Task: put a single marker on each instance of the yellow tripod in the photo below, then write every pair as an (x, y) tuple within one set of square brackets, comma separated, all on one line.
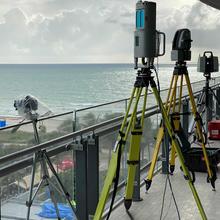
[(180, 72), (135, 125)]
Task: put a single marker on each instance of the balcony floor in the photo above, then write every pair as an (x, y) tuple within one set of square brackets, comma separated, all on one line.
[(150, 207)]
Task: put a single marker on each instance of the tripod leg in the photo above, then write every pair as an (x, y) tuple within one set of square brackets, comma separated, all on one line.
[(169, 103), (200, 108), (170, 90), (134, 154), (178, 150), (119, 147), (217, 101), (30, 200), (64, 191), (173, 152), (45, 178), (216, 97), (160, 133), (172, 159), (198, 121)]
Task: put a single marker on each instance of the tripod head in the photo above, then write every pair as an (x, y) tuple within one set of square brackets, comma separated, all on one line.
[(146, 38), (181, 46)]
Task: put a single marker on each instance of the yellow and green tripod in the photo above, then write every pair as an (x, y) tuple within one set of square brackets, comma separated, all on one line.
[(180, 72), (135, 126)]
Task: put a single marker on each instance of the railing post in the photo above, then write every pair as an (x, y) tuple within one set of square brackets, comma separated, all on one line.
[(217, 106), (92, 173), (185, 116), (80, 148), (165, 153), (126, 105), (75, 124)]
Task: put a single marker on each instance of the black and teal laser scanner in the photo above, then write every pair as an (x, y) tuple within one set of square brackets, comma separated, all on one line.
[(146, 37)]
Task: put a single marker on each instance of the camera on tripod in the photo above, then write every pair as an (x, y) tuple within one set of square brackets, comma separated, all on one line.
[(27, 107), (208, 63), (181, 45), (26, 104)]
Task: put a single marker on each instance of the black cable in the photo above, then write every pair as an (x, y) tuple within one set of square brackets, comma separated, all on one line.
[(163, 200), (173, 196), (168, 208), (158, 82), (116, 180), (174, 199), (172, 193), (168, 178)]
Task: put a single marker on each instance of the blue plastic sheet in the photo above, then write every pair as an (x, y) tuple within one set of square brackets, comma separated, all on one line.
[(49, 211)]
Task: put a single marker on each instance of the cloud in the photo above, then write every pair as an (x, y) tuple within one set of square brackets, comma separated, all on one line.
[(93, 31), (69, 36), (202, 20)]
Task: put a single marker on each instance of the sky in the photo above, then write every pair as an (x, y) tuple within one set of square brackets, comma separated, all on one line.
[(96, 31)]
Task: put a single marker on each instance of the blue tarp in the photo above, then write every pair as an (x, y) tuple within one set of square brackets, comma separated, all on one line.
[(49, 211)]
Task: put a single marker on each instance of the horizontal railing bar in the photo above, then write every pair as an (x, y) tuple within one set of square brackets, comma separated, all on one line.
[(58, 140), (67, 137), (40, 119), (21, 164), (117, 126), (54, 116), (72, 135)]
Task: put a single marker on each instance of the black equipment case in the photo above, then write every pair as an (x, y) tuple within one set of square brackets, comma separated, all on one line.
[(195, 159)]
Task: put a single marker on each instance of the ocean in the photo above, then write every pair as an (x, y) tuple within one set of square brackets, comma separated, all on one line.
[(67, 87)]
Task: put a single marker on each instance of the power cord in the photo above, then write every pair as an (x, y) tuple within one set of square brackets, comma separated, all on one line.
[(168, 177)]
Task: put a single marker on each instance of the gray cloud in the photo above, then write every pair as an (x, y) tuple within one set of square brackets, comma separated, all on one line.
[(202, 20), (68, 34), (92, 30)]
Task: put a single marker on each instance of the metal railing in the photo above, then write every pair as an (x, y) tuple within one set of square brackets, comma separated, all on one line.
[(93, 152)]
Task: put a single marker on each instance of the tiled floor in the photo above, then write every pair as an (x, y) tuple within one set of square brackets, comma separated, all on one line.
[(150, 207)]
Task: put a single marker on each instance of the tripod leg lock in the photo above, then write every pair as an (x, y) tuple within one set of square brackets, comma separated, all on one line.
[(28, 203), (122, 134), (133, 162), (136, 133), (121, 141), (67, 195), (186, 177)]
